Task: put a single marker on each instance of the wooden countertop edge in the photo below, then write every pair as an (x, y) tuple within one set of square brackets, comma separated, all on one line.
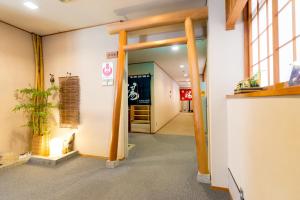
[(278, 90)]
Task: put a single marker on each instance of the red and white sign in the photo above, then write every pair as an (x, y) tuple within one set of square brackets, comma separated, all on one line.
[(185, 94), (107, 71)]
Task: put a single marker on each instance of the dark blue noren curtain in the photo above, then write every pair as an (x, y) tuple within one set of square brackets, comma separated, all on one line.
[(139, 89)]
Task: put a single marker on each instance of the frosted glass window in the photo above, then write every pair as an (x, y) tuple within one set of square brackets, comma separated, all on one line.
[(271, 70), (264, 73), (270, 40), (263, 42), (254, 28), (263, 18), (254, 70), (255, 52), (270, 11), (281, 3), (297, 6), (254, 6), (298, 50), (285, 61), (285, 25)]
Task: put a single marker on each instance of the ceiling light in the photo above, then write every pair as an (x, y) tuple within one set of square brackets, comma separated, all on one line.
[(30, 5), (181, 66), (175, 48), (185, 75)]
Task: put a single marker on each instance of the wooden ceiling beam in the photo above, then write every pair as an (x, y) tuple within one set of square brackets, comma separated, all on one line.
[(154, 44), (159, 20), (234, 9)]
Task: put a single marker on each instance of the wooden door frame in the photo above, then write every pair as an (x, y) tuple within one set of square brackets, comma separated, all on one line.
[(122, 28)]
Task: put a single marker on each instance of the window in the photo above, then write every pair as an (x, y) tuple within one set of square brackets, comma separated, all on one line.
[(274, 38)]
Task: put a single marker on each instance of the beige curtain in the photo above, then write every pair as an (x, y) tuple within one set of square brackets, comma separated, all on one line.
[(39, 62)]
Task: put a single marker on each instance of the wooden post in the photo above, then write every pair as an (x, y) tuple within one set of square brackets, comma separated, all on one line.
[(197, 101), (118, 97)]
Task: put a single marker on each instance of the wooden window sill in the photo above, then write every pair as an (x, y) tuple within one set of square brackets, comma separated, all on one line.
[(281, 89)]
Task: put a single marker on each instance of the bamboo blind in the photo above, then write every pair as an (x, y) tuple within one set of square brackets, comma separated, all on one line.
[(69, 101)]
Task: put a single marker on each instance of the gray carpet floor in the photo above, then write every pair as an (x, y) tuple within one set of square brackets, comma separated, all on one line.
[(159, 167)]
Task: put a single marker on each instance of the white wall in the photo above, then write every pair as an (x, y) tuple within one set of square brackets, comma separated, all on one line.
[(264, 146), (16, 71), (81, 53), (225, 69), (166, 98)]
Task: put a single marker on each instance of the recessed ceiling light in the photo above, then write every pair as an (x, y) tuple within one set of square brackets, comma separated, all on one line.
[(181, 66), (30, 5), (185, 75), (175, 48)]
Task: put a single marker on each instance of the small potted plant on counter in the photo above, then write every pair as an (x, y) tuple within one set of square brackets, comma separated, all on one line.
[(37, 108)]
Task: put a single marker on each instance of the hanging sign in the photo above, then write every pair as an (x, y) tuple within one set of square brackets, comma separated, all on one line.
[(107, 73), (139, 89), (186, 95)]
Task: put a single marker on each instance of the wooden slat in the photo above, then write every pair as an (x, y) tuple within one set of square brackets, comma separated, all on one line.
[(275, 42), (159, 20), (201, 148), (246, 43), (234, 10), (154, 44), (118, 97)]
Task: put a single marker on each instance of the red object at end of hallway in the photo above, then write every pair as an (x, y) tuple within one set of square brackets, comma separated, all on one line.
[(186, 94)]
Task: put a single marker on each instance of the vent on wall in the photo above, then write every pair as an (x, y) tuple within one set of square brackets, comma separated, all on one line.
[(69, 101)]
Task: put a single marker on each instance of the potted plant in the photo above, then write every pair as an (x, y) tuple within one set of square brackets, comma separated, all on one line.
[(35, 104)]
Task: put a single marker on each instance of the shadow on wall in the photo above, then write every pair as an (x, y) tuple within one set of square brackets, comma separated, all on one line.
[(20, 140)]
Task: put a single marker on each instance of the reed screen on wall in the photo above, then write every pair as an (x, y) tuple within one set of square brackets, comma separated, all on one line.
[(69, 101)]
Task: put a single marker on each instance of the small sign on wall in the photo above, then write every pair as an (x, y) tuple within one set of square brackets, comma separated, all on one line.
[(107, 71), (111, 54)]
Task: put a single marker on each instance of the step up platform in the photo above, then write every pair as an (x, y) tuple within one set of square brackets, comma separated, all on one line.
[(52, 161)]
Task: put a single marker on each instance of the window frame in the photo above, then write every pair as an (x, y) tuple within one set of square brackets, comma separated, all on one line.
[(248, 18)]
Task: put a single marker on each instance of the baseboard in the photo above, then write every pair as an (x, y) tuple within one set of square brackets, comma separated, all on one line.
[(222, 189), (93, 156), (97, 157), (219, 188)]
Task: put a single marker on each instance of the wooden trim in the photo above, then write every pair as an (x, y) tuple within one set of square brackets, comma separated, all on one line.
[(159, 20), (275, 42), (204, 72), (219, 188), (258, 41), (85, 27), (15, 26), (294, 30), (201, 148), (281, 91), (246, 43), (93, 156), (118, 97), (250, 36), (234, 9), (155, 44), (268, 40)]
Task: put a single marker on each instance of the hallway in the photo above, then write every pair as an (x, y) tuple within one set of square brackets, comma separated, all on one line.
[(182, 124), (158, 167)]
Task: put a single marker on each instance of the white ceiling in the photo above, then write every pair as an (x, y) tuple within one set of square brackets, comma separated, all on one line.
[(170, 60), (54, 16)]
